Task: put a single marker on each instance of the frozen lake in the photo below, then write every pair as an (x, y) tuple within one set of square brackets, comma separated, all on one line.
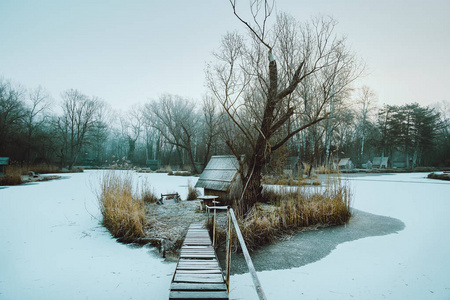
[(52, 246)]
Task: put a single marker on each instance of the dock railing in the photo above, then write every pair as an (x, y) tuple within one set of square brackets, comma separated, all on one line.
[(231, 220)]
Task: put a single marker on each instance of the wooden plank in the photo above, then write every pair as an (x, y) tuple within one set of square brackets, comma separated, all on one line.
[(207, 278), (199, 251), (181, 261), (205, 256), (208, 271), (197, 267), (211, 262), (183, 286), (174, 295)]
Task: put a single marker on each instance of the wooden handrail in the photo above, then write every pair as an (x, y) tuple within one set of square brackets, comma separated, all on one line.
[(232, 220)]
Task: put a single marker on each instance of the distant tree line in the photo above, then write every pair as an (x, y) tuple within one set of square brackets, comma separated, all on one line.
[(183, 133)]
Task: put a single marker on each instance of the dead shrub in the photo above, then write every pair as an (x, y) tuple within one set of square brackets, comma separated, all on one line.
[(192, 192), (444, 176), (147, 194), (12, 175)]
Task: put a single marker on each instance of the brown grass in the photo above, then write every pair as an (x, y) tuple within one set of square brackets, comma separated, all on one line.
[(326, 170), (147, 194), (11, 176), (444, 176), (123, 212), (192, 192), (291, 181), (14, 171), (291, 211)]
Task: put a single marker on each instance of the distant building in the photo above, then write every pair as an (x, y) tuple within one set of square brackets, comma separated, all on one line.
[(153, 164), (221, 177), (380, 162), (345, 164), (367, 165)]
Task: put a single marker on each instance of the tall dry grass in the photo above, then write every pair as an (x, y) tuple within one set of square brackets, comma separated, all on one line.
[(14, 171), (293, 210), (123, 212), (11, 176), (147, 194), (192, 192)]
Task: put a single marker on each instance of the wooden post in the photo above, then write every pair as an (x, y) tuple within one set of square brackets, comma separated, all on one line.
[(251, 268), (214, 226), (228, 257)]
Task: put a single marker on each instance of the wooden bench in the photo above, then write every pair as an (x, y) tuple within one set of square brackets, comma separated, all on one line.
[(174, 196)]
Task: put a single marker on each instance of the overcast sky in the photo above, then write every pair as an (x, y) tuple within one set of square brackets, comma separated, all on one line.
[(127, 52)]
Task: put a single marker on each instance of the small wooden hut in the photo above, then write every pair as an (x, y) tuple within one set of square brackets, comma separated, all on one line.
[(380, 162), (221, 177), (345, 164), (153, 164)]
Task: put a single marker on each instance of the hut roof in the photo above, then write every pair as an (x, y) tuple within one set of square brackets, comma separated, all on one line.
[(219, 173), (379, 162), (343, 162), (376, 161)]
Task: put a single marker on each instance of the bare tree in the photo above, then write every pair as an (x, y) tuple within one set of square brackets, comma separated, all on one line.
[(210, 126), (100, 131), (177, 121), (366, 101), (12, 113), (78, 119), (132, 125), (39, 103), (260, 98)]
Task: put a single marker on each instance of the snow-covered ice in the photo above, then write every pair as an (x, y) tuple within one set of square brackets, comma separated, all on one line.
[(52, 246), (413, 264)]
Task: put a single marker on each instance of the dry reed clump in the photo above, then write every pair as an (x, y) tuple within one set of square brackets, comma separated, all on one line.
[(326, 170), (444, 176), (123, 212), (290, 211), (192, 192), (147, 195), (12, 176), (289, 180)]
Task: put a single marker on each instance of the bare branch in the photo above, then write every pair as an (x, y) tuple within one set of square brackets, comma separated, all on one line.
[(260, 37)]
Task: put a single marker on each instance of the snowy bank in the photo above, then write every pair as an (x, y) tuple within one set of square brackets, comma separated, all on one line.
[(53, 247)]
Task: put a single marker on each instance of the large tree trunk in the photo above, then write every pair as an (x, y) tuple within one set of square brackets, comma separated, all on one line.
[(252, 189)]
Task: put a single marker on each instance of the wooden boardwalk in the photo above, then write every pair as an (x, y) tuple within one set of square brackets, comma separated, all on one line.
[(198, 274)]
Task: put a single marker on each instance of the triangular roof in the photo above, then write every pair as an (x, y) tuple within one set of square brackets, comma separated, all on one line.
[(376, 161), (344, 161), (220, 172)]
